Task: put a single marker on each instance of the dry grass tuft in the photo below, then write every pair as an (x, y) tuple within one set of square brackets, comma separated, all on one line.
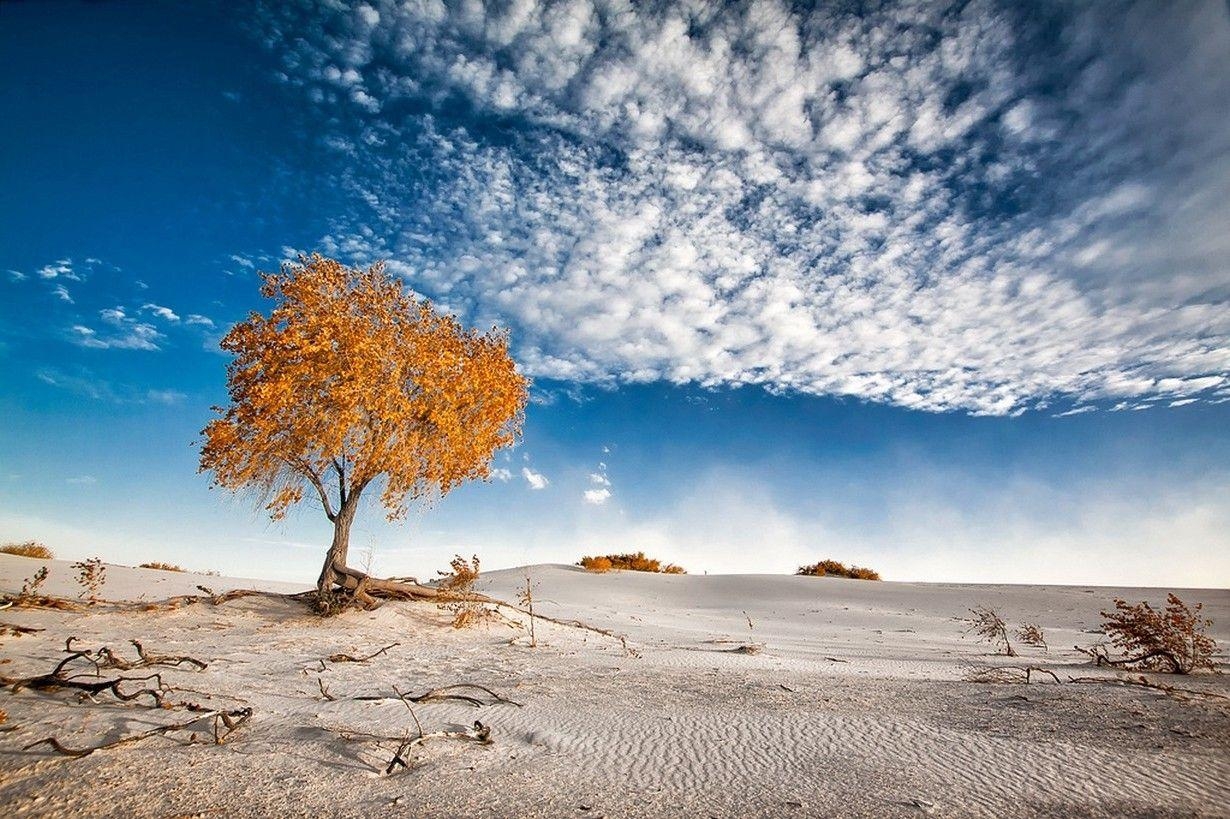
[(632, 561), (831, 568), (91, 575), (460, 581), (162, 567), (31, 548), (989, 627)]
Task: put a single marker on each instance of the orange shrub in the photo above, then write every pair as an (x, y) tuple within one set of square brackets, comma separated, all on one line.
[(831, 568), (632, 561), (162, 567), (31, 548), (597, 564)]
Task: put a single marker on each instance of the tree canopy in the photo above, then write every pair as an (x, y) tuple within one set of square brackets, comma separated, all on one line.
[(351, 379)]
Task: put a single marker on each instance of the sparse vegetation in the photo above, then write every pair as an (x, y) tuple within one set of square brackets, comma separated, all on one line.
[(1172, 640), (989, 627), (31, 548), (1030, 634), (831, 568), (633, 562), (91, 575), (525, 596), (460, 581), (162, 567), (31, 587)]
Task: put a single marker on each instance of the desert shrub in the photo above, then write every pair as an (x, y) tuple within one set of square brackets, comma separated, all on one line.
[(989, 627), (162, 567), (1030, 634), (31, 548), (632, 561), (597, 564), (31, 587), (831, 568), (460, 581), (1172, 640), (91, 575)]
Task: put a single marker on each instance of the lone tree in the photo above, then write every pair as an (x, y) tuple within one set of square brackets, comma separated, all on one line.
[(351, 383)]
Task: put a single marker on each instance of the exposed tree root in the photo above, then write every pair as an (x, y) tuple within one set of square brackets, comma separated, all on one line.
[(1101, 658), (224, 724), (105, 658)]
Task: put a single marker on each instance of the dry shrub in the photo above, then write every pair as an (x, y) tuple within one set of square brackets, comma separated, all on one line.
[(32, 586), (597, 564), (1031, 634), (460, 581), (632, 561), (831, 568), (91, 575), (1172, 640), (31, 548), (162, 567), (989, 627)]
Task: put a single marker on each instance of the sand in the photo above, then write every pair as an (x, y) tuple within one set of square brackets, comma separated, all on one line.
[(854, 704)]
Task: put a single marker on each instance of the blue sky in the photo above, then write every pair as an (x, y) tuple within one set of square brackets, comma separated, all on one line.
[(940, 290)]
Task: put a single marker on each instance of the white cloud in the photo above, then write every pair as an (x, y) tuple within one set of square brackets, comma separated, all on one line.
[(165, 313), (536, 480), (61, 293), (499, 473), (203, 321), (907, 206), (16, 275), (126, 334), (599, 478), (597, 496), (59, 269), (82, 480)]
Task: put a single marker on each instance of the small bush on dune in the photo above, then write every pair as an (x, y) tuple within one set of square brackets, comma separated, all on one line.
[(597, 564), (632, 561), (91, 575), (162, 567), (1172, 640), (831, 568), (31, 548), (460, 581)]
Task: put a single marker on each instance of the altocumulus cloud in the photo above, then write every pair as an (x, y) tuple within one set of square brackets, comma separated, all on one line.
[(979, 207)]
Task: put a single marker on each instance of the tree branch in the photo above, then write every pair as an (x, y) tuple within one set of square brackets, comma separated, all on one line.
[(311, 475)]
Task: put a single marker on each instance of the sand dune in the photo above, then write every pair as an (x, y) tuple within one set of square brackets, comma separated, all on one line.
[(855, 705)]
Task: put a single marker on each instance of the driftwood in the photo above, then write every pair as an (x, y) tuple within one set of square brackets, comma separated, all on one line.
[(224, 724), (105, 658), (477, 733), (1101, 657)]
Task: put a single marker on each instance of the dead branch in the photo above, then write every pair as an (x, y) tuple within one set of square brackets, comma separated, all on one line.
[(18, 631), (228, 720), (59, 679), (1101, 657), (346, 658), (447, 693), (1175, 691), (477, 733), (324, 692), (1006, 673), (108, 659)]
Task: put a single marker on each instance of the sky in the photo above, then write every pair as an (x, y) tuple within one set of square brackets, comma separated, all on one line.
[(940, 289)]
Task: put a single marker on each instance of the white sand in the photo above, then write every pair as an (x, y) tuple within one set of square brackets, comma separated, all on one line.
[(856, 706)]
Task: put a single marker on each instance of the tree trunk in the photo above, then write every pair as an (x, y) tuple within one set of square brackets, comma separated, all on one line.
[(339, 549)]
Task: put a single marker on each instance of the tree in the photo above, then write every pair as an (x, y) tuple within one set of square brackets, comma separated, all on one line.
[(351, 382)]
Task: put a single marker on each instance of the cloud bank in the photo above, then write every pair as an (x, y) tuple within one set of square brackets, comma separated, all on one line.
[(979, 207)]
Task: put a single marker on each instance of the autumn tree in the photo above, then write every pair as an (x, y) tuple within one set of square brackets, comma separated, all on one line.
[(353, 385)]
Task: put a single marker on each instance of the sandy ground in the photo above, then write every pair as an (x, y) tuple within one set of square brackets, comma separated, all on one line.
[(856, 705)]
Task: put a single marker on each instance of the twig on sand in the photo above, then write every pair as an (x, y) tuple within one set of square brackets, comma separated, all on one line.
[(346, 658), (224, 724), (17, 631), (1006, 673), (447, 693), (1184, 694)]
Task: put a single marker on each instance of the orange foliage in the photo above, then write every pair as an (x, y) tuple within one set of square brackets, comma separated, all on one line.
[(350, 378), (31, 548), (636, 562), (832, 568)]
